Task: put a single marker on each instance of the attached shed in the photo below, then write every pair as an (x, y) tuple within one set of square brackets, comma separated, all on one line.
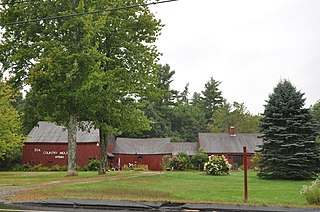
[(47, 144), (230, 145), (190, 148), (148, 151)]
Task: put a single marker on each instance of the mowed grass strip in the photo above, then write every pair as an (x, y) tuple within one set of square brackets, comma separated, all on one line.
[(194, 187)]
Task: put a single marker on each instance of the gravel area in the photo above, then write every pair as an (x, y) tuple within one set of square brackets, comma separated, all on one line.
[(7, 191)]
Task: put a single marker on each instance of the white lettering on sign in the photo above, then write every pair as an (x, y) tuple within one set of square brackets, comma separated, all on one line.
[(37, 150), (59, 156), (50, 152), (63, 153)]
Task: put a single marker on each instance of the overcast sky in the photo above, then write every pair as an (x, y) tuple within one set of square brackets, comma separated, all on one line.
[(248, 45)]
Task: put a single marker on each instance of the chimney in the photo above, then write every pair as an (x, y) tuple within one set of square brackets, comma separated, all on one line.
[(232, 134)]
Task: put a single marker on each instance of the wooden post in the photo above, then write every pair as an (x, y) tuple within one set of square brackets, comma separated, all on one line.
[(245, 166), (119, 165)]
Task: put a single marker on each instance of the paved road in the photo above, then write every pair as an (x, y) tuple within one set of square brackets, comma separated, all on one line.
[(105, 205)]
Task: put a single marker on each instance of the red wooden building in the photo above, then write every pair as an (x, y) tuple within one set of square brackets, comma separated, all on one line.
[(47, 144), (148, 151), (230, 145)]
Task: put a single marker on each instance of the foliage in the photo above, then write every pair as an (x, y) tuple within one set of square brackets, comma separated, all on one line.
[(187, 121), (180, 162), (199, 159), (289, 149), (235, 115), (217, 165), (312, 192), (212, 98), (315, 111), (93, 165), (177, 163), (166, 162), (92, 67), (186, 160), (256, 160), (11, 138), (40, 168), (21, 167), (158, 107), (57, 168)]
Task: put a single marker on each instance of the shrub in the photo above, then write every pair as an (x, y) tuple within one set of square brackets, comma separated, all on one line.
[(166, 165), (185, 159), (256, 160), (40, 168), (179, 162), (22, 167), (138, 169), (64, 168), (199, 159), (217, 165), (55, 168), (93, 165), (312, 192)]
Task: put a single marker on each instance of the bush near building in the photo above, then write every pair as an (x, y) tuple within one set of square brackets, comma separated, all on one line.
[(217, 165)]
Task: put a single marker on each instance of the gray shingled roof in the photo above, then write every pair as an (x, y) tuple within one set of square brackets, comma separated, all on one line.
[(224, 143), (142, 146), (51, 133), (190, 148)]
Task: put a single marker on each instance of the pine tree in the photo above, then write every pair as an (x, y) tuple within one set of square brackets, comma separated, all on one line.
[(212, 98), (289, 149)]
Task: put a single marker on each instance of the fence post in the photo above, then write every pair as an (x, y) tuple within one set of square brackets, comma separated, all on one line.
[(245, 166)]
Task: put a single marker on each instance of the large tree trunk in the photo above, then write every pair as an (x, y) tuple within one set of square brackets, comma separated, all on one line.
[(72, 146), (104, 151)]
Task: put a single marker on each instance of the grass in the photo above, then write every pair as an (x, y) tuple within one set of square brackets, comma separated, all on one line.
[(192, 187)]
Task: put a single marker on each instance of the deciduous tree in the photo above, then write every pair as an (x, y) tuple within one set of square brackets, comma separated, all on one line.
[(315, 111), (77, 66), (235, 115), (11, 139)]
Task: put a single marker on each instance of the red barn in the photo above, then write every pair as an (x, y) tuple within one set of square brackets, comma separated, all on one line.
[(47, 144), (230, 145), (148, 151)]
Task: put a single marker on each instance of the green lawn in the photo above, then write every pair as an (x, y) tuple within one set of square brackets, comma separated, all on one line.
[(167, 186)]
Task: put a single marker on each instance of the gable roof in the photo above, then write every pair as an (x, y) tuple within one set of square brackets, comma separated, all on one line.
[(142, 146), (47, 132), (190, 148), (224, 143)]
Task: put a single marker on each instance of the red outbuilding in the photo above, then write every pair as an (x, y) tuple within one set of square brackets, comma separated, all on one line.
[(230, 145), (47, 144), (148, 151)]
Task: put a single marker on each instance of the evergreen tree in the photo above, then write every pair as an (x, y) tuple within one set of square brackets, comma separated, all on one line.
[(158, 107), (289, 150), (212, 97)]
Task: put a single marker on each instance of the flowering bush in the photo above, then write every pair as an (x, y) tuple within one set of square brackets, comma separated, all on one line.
[(217, 165), (179, 162), (312, 192)]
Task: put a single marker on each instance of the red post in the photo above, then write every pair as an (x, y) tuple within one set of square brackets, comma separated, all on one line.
[(245, 166)]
